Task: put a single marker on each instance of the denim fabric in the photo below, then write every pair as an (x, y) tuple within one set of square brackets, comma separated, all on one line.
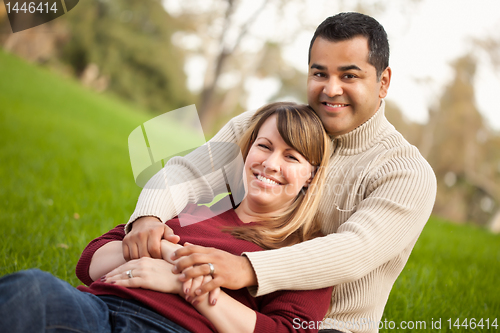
[(35, 301)]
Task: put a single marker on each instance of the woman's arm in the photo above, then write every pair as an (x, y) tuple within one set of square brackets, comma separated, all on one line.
[(228, 314), (147, 273), (87, 256), (105, 259), (105, 253), (282, 311)]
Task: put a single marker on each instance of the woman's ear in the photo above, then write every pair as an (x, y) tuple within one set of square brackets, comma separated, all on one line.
[(308, 182)]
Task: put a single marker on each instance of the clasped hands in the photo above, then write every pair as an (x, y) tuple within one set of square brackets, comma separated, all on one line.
[(150, 238)]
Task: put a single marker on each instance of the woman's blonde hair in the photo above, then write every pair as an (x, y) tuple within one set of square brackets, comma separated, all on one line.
[(302, 130)]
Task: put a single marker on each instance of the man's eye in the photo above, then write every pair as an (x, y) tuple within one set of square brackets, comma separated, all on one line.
[(349, 76), (319, 74)]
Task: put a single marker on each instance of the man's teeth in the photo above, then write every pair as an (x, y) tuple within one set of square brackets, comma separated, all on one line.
[(266, 180), (335, 105)]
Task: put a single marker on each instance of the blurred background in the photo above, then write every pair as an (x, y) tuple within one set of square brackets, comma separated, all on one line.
[(72, 90), (228, 56)]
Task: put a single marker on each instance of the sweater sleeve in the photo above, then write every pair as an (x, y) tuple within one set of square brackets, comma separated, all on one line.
[(190, 179), (399, 200), (82, 267), (293, 311)]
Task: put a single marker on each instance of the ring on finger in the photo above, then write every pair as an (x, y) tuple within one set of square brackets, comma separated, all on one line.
[(212, 269), (129, 274)]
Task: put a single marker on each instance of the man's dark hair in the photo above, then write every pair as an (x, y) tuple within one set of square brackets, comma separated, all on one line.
[(346, 26)]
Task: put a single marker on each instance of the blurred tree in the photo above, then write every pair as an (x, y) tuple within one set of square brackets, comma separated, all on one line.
[(411, 131), (463, 152), (215, 31), (128, 42), (123, 46)]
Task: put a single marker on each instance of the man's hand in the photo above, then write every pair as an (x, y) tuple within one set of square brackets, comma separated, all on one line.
[(144, 238), (231, 271)]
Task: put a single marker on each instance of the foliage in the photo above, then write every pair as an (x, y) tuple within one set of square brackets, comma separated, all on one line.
[(130, 42), (464, 150)]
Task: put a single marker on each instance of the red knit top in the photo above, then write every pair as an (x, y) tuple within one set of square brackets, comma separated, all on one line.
[(281, 311)]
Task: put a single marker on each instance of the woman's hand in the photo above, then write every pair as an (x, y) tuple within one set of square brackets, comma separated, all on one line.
[(193, 284), (147, 273)]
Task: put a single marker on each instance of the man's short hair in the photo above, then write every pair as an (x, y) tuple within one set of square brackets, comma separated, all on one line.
[(346, 26)]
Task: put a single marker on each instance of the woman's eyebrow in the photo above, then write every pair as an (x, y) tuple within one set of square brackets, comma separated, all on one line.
[(264, 138)]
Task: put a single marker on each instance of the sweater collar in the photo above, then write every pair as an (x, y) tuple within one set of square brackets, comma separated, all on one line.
[(364, 136)]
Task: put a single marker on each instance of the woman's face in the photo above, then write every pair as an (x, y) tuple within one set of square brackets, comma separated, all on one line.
[(275, 173)]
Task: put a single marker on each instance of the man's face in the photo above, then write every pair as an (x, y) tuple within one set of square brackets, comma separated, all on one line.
[(342, 87)]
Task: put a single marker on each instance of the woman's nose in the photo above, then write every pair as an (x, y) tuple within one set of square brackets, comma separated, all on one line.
[(272, 163)]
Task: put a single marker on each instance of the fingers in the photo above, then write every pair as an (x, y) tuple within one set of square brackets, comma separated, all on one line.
[(196, 283), (145, 237), (126, 251), (153, 245), (213, 296), (189, 249), (169, 235), (130, 249), (192, 255), (210, 286), (193, 270), (120, 277), (196, 299), (186, 286)]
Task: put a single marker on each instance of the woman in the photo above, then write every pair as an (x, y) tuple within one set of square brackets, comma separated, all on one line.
[(285, 150)]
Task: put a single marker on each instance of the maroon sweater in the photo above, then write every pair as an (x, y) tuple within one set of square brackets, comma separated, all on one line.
[(281, 311)]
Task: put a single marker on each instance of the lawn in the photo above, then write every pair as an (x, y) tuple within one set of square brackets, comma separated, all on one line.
[(66, 178), (453, 273)]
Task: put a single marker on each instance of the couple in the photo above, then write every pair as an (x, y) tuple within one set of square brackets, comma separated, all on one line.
[(377, 195)]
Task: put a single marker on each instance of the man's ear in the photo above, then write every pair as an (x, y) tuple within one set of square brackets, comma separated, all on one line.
[(385, 82)]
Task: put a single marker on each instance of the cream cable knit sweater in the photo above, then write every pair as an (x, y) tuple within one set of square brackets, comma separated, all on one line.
[(379, 194)]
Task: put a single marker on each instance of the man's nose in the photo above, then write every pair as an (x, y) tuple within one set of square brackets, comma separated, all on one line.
[(333, 87)]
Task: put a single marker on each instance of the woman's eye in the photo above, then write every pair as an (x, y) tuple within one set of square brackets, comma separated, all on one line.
[(293, 158), (263, 146)]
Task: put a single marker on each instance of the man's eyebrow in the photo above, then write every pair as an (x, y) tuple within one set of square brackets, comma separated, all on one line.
[(319, 67), (348, 68), (340, 68)]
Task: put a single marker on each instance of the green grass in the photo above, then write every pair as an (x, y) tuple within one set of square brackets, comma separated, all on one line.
[(65, 170), (453, 272), (63, 150)]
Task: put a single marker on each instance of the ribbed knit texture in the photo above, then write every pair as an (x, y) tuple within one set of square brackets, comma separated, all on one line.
[(378, 196)]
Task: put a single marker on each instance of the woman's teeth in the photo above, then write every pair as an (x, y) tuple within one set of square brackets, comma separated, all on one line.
[(266, 180)]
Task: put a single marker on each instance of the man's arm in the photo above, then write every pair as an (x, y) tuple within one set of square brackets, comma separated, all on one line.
[(183, 180), (386, 222)]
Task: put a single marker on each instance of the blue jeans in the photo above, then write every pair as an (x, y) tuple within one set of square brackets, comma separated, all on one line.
[(35, 301)]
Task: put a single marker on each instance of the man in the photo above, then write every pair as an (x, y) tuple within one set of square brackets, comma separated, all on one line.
[(379, 193)]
